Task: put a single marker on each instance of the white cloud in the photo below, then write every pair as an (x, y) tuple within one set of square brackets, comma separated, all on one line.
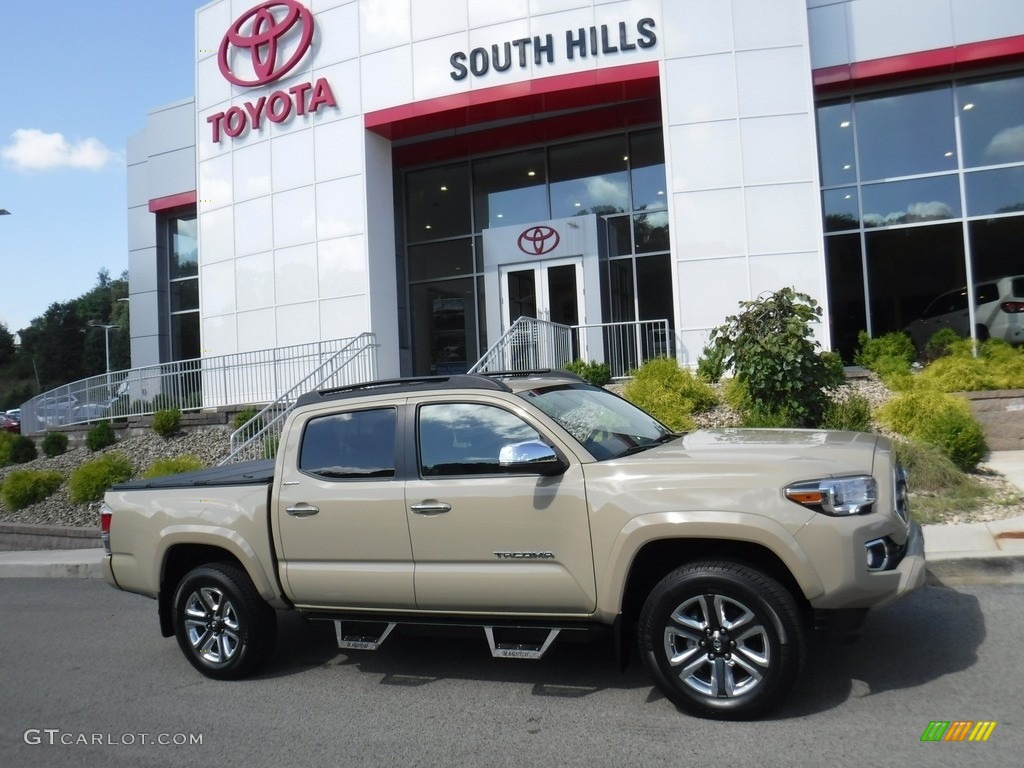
[(33, 150), (1006, 146)]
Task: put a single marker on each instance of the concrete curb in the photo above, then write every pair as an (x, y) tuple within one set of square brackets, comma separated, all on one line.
[(52, 564)]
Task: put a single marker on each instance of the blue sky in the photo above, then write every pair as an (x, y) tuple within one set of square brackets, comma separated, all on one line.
[(77, 79)]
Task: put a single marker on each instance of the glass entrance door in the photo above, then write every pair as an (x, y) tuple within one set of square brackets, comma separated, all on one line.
[(546, 290)]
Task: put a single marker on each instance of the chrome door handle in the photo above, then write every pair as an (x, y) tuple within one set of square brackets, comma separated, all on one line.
[(302, 510), (431, 508)]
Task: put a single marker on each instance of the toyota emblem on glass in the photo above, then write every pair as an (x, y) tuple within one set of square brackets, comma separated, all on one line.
[(536, 241)]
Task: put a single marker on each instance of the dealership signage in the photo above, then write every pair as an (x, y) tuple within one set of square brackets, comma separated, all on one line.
[(581, 42), (274, 36)]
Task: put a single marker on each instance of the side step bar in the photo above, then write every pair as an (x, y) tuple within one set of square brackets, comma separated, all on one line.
[(511, 642), (358, 642), (513, 650)]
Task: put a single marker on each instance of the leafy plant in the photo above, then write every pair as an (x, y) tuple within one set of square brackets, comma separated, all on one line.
[(939, 343), (90, 480), (23, 450), (55, 443), (870, 351), (939, 419), (851, 413), (593, 372), (99, 437), (243, 417), (670, 393), (768, 346), (711, 363), (173, 466), (167, 422), (24, 487), (6, 442)]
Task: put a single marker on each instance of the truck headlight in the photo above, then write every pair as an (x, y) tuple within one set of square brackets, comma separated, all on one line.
[(837, 496)]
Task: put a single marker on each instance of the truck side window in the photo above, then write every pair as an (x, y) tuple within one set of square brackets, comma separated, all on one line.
[(466, 438), (350, 446)]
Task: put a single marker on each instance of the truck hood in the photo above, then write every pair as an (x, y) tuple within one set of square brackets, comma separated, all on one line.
[(731, 469)]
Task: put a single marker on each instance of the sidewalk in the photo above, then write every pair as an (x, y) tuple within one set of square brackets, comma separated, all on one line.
[(968, 553)]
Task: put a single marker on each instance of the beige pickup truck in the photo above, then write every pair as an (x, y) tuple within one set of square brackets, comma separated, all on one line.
[(527, 507)]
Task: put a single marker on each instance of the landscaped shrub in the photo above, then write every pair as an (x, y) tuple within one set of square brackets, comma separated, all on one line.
[(769, 347), (167, 422), (173, 466), (593, 372), (23, 450), (24, 487), (6, 441), (939, 419), (711, 363), (670, 393), (243, 417), (55, 443), (891, 345), (852, 413), (996, 365), (939, 343), (90, 480), (100, 436)]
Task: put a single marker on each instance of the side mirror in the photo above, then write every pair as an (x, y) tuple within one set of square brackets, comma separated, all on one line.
[(531, 456)]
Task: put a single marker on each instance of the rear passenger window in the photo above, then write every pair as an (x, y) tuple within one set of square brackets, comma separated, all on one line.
[(466, 438), (350, 446)]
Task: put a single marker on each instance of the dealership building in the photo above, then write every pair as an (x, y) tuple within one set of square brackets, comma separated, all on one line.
[(429, 170)]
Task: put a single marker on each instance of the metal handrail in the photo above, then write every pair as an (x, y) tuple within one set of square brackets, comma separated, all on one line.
[(259, 436), (624, 346), (189, 385)]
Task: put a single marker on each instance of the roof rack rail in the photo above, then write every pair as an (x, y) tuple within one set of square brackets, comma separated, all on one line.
[(455, 381), (537, 372)]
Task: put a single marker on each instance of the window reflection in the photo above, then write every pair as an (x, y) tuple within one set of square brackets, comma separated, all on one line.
[(589, 177), (906, 134), (911, 202), (510, 189), (437, 202), (841, 209), (992, 121), (991, 192), (835, 144), (647, 170)]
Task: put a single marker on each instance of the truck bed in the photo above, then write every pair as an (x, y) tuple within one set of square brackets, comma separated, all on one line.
[(260, 472)]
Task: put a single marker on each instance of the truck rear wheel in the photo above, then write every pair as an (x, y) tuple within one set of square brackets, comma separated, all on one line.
[(722, 640), (222, 625)]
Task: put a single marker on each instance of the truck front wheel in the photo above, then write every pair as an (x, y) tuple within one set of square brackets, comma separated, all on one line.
[(722, 640), (222, 625)]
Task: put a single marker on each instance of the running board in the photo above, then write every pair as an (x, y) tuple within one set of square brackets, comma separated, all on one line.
[(512, 650), (359, 642)]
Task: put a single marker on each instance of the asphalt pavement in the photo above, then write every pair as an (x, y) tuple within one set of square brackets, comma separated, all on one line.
[(963, 553)]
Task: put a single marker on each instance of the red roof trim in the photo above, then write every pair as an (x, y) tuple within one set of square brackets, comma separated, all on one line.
[(160, 204), (949, 60), (513, 100)]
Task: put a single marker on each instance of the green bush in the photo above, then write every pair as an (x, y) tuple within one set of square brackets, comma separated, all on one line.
[(173, 466), (23, 450), (968, 367), (939, 343), (24, 487), (939, 419), (90, 480), (55, 443), (6, 442), (593, 372), (769, 347), (167, 422), (711, 363), (670, 393), (100, 436), (891, 345), (851, 413)]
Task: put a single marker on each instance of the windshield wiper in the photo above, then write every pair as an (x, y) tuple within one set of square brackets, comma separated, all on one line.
[(666, 438)]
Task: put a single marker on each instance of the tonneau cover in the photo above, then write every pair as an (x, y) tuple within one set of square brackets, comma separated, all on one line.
[(259, 472)]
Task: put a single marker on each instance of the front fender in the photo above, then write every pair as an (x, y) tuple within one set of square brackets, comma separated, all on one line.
[(690, 525)]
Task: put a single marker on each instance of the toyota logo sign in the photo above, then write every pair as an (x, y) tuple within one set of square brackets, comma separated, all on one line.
[(536, 241), (262, 34)]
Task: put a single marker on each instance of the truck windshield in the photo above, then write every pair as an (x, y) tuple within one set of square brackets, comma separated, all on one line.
[(606, 425)]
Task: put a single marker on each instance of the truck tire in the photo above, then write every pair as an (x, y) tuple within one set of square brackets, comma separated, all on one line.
[(722, 640), (222, 625)]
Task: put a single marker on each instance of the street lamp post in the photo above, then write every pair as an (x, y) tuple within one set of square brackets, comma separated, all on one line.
[(106, 336)]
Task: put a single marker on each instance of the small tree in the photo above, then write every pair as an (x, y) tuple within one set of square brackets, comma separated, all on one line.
[(770, 349)]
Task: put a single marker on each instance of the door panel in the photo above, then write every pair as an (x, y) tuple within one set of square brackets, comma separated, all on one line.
[(491, 542), (341, 519)]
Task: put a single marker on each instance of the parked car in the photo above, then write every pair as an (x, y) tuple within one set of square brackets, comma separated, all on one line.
[(10, 424), (998, 313)]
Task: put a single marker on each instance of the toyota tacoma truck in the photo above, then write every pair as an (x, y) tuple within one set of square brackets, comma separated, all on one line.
[(527, 507)]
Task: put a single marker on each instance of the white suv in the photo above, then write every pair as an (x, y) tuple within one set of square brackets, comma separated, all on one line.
[(998, 313)]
